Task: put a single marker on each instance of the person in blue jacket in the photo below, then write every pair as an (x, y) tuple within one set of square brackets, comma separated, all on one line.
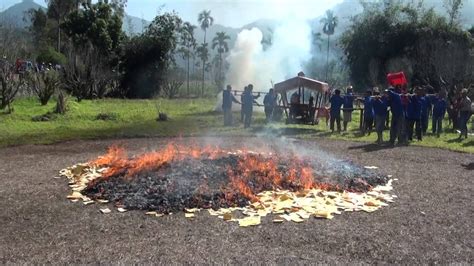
[(397, 123), (439, 110), (368, 113), (380, 107), (247, 105), (336, 102), (413, 115), (425, 112)]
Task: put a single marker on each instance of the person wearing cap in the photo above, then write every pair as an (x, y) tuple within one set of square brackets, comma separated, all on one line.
[(227, 99), (465, 112)]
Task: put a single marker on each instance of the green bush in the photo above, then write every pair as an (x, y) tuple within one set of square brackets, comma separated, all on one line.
[(51, 56)]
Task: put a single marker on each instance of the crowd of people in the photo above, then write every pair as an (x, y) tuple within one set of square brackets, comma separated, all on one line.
[(406, 113)]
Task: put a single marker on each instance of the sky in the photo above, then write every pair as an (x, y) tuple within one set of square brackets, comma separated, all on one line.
[(233, 13)]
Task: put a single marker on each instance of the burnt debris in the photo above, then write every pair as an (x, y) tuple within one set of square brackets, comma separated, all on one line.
[(225, 181)]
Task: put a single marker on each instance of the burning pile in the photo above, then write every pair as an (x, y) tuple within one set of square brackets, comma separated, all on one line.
[(179, 178)]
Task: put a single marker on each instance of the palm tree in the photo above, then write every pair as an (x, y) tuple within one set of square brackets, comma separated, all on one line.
[(203, 54), (189, 45), (205, 20), (220, 41), (330, 24)]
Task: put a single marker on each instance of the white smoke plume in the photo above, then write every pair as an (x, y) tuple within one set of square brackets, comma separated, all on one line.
[(250, 63)]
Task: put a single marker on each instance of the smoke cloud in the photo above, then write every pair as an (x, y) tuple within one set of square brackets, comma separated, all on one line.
[(250, 63)]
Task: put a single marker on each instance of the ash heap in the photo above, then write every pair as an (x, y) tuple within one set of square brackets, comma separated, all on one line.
[(228, 183)]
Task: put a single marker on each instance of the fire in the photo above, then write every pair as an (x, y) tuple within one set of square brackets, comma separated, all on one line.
[(253, 173)]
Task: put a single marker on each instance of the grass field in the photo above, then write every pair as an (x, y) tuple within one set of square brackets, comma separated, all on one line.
[(188, 117)]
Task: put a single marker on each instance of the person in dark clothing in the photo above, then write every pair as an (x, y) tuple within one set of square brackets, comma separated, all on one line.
[(439, 110), (242, 113), (397, 124), (413, 115), (227, 99), (248, 101), (336, 103), (465, 112), (269, 103), (368, 113), (348, 106), (294, 105), (312, 108), (380, 106)]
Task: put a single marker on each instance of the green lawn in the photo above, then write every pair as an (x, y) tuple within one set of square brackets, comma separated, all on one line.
[(137, 118)]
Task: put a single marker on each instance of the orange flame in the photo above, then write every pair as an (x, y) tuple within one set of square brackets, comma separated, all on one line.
[(253, 173)]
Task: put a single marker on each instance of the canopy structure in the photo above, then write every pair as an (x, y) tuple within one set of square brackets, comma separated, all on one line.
[(306, 97), (300, 83)]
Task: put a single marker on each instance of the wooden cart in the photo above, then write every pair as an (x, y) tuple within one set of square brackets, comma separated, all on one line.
[(301, 88)]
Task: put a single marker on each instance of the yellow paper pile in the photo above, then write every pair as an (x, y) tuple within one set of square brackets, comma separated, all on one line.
[(283, 205)]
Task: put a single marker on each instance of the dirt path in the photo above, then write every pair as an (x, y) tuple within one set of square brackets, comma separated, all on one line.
[(430, 222)]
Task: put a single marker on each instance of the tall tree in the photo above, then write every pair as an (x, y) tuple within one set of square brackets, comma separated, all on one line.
[(189, 44), (148, 57), (205, 21), (330, 23), (220, 42), (203, 54), (453, 8), (58, 10)]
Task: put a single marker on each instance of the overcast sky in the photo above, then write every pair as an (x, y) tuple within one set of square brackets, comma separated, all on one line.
[(233, 13)]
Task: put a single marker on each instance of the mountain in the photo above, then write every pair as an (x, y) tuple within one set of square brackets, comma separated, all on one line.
[(16, 15), (134, 25)]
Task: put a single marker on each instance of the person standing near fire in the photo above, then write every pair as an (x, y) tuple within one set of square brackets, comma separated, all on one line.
[(336, 103), (242, 108), (348, 107), (269, 102), (465, 112), (414, 115), (248, 100), (227, 100), (397, 123), (380, 106), (439, 111), (368, 113)]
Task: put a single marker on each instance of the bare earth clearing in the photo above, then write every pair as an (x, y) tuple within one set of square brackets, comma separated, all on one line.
[(431, 221)]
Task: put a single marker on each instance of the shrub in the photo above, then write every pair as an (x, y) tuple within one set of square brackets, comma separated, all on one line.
[(51, 56), (44, 84)]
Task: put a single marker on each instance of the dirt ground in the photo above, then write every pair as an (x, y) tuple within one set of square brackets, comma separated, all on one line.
[(430, 222)]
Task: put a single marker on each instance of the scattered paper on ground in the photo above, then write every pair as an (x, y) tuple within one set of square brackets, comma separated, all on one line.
[(105, 211), (283, 206)]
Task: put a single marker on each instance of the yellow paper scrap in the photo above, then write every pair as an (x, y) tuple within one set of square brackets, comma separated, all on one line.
[(249, 221)]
